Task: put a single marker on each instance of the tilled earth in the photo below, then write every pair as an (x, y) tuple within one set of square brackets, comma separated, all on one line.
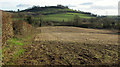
[(70, 46), (59, 53), (75, 34)]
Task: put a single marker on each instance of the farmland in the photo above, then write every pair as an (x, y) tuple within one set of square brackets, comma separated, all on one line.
[(51, 13), (78, 35), (62, 45), (57, 35), (64, 16)]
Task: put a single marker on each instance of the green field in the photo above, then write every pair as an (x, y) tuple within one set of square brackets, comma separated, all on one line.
[(64, 16), (53, 14), (59, 17)]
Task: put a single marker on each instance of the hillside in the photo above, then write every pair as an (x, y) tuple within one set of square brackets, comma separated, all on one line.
[(55, 13)]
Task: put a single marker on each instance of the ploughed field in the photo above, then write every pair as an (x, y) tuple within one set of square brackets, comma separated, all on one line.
[(62, 45), (74, 34)]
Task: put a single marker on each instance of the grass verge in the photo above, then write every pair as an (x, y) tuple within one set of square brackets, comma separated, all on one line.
[(14, 48)]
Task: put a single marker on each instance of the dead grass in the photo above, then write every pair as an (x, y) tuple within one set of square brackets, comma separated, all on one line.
[(74, 34)]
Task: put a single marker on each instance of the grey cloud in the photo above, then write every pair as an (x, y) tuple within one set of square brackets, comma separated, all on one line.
[(23, 5), (102, 7), (87, 3)]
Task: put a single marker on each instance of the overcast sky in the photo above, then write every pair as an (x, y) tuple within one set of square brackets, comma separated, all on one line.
[(100, 7)]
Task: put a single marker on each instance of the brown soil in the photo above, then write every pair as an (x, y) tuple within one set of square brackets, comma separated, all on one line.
[(74, 34), (70, 46)]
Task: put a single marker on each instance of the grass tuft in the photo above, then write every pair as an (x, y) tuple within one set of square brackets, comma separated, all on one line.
[(15, 41)]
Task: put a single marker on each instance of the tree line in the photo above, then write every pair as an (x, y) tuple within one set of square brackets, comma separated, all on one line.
[(99, 22)]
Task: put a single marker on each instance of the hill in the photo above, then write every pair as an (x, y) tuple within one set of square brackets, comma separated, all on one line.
[(55, 13)]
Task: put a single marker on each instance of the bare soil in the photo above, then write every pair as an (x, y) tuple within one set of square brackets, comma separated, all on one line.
[(75, 34), (70, 46)]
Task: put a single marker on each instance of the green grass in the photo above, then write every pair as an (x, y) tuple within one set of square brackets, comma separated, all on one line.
[(15, 19), (15, 41), (15, 47), (61, 14), (18, 53), (64, 16), (18, 41)]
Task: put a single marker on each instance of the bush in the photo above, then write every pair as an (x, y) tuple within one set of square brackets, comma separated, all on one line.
[(29, 19), (7, 29)]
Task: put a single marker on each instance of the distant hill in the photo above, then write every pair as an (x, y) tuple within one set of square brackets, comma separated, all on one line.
[(63, 16), (54, 10), (55, 13), (37, 8)]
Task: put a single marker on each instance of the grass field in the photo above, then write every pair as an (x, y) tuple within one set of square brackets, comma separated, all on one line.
[(54, 14), (59, 17), (64, 16)]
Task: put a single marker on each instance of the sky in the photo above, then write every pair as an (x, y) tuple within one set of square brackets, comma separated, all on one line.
[(99, 7)]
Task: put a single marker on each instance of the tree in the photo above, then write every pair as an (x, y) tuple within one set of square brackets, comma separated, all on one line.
[(29, 19), (84, 20), (77, 20), (18, 10), (92, 20)]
